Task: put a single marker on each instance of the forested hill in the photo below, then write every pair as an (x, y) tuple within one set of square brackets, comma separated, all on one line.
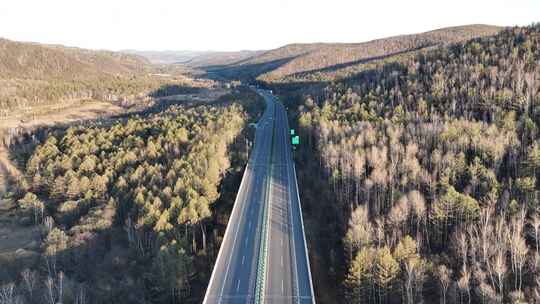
[(426, 172), (40, 61), (327, 61), (34, 74)]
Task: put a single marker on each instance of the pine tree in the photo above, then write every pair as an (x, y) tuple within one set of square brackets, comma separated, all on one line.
[(386, 271)]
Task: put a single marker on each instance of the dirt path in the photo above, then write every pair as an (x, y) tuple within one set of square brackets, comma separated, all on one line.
[(7, 171), (3, 187)]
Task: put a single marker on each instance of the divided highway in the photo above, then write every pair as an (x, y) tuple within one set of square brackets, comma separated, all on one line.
[(263, 257)]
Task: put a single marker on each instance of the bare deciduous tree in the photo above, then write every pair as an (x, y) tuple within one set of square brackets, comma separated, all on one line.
[(30, 279), (464, 283), (444, 275)]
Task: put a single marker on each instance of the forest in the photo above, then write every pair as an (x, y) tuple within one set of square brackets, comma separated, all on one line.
[(425, 173), (132, 210), (418, 168)]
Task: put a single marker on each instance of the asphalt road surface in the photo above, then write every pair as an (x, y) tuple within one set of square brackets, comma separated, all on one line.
[(288, 275), (269, 178)]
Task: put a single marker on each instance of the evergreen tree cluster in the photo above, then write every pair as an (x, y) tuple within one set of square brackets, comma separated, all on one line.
[(147, 183)]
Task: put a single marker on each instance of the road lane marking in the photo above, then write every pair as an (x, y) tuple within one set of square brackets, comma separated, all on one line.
[(246, 177), (238, 286), (281, 260), (243, 259), (282, 287)]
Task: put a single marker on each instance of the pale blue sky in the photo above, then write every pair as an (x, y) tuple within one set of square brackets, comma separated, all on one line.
[(242, 24)]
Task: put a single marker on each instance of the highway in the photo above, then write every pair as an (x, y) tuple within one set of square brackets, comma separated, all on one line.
[(288, 275), (263, 257)]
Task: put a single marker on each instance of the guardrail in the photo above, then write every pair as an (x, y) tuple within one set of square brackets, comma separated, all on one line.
[(296, 189), (262, 260)]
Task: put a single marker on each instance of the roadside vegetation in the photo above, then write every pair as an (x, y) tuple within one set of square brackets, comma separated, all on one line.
[(425, 173)]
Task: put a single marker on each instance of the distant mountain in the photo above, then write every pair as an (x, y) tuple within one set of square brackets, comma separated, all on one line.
[(194, 58), (42, 61), (32, 74), (166, 57), (327, 61), (211, 59)]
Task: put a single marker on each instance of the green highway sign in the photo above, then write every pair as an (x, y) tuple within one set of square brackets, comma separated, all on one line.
[(292, 131), (296, 140)]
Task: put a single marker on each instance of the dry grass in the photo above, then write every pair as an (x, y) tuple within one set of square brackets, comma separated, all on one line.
[(205, 95), (58, 113), (17, 242)]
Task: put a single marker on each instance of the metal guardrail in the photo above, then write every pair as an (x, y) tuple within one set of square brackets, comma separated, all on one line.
[(262, 261)]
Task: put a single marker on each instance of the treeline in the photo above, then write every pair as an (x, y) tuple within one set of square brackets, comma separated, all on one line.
[(174, 89), (17, 94), (428, 174), (127, 208)]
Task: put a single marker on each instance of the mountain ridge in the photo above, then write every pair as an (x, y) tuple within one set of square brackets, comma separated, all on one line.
[(45, 61), (297, 58)]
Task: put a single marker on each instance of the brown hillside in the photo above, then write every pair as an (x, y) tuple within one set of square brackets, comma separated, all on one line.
[(326, 61), (37, 61)]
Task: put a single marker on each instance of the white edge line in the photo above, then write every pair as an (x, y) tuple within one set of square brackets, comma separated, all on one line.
[(303, 235), (225, 237)]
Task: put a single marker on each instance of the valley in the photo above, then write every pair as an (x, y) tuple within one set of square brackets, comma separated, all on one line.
[(155, 176)]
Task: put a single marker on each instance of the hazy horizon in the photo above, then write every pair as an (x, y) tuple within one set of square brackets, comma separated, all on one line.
[(206, 25)]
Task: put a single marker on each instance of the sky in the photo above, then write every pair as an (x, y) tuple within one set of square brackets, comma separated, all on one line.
[(229, 25)]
